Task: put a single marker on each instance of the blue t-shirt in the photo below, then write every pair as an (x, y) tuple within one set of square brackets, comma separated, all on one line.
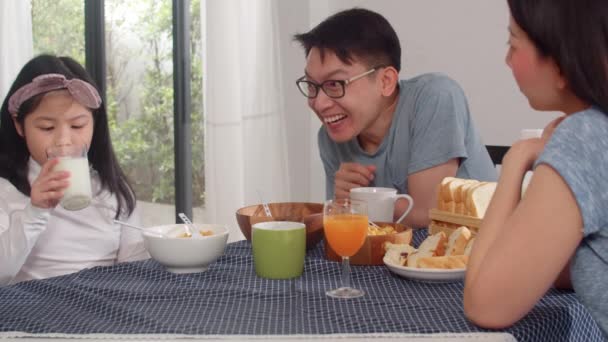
[(430, 126), (578, 151)]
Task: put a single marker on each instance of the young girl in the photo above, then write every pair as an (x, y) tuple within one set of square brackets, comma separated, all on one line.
[(558, 232), (54, 102)]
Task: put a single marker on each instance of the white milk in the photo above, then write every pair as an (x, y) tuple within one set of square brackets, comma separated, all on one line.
[(78, 194)]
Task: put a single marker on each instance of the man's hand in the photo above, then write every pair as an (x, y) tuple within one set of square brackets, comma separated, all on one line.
[(352, 175), (47, 189)]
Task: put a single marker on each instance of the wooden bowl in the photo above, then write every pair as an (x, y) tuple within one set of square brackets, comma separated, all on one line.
[(311, 214), (373, 251)]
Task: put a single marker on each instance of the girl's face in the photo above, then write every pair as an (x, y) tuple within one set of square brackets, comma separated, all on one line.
[(58, 120), (538, 77)]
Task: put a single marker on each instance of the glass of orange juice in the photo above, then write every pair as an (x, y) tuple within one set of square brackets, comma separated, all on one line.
[(345, 225)]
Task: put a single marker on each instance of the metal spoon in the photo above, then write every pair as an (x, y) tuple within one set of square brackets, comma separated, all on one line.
[(264, 204), (140, 228), (372, 223), (186, 220)]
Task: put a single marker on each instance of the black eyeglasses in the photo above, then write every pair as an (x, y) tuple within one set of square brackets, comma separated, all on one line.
[(333, 88)]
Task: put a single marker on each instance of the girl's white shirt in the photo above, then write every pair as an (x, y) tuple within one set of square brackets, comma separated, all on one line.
[(38, 243)]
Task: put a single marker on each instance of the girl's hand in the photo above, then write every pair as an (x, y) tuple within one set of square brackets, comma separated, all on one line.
[(47, 189)]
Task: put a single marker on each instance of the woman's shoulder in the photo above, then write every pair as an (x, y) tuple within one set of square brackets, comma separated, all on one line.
[(590, 120), (580, 136)]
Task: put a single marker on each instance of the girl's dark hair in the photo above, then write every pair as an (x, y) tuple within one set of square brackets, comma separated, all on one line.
[(355, 32), (14, 154), (575, 34)]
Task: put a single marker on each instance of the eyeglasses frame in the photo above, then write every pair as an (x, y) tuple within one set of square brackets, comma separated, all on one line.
[(344, 83)]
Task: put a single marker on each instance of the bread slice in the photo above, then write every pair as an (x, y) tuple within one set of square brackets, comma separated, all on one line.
[(461, 195), (444, 196), (398, 253), (469, 247), (433, 245), (479, 199), (444, 262), (467, 198), (458, 241), (438, 191)]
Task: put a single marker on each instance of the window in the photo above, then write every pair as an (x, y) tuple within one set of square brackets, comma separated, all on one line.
[(139, 90), (63, 37)]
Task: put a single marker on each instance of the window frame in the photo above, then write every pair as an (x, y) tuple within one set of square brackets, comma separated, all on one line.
[(95, 55)]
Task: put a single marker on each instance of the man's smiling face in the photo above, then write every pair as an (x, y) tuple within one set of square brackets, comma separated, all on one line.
[(347, 116)]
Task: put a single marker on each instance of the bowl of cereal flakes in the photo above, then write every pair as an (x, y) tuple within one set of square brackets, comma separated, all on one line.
[(181, 252), (372, 251)]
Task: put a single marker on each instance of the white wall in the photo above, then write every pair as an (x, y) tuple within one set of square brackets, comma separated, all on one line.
[(465, 39)]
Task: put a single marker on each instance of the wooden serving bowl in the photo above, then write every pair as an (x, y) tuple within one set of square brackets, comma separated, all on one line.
[(311, 214), (373, 251)]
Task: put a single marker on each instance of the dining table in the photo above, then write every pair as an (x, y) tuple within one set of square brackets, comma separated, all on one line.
[(142, 300)]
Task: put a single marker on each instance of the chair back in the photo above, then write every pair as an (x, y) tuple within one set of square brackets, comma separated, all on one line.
[(497, 153)]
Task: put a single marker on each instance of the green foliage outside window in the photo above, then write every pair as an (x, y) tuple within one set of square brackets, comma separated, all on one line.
[(142, 133)]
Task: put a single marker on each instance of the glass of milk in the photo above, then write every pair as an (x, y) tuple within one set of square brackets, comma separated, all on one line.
[(73, 158)]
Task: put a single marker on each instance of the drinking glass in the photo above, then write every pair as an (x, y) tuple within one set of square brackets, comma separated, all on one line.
[(345, 225), (73, 158)]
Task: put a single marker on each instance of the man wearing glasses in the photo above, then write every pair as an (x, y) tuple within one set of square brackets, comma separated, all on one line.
[(378, 130)]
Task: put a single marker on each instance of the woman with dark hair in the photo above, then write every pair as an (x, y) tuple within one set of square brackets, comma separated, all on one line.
[(557, 233), (54, 102)]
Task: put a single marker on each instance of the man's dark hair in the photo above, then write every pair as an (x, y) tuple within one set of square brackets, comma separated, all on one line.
[(355, 33)]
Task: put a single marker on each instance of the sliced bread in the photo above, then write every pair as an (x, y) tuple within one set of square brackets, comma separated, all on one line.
[(433, 245), (444, 262), (458, 241), (398, 253), (479, 199)]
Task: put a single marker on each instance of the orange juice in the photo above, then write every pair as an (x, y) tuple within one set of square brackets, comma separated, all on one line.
[(345, 232)]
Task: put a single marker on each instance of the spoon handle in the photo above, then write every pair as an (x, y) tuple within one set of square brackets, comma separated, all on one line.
[(189, 230), (264, 204), (138, 228), (184, 218), (267, 210)]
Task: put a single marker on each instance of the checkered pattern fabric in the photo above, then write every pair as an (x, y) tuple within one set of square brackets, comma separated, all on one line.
[(229, 299)]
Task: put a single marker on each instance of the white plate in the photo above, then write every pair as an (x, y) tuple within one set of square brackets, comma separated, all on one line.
[(426, 274)]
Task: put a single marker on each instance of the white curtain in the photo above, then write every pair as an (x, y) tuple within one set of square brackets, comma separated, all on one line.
[(16, 45), (245, 147)]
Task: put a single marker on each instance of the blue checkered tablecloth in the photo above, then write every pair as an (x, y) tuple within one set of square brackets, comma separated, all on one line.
[(229, 299)]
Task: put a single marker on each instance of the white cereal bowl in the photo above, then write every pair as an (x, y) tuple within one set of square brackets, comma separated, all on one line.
[(185, 255)]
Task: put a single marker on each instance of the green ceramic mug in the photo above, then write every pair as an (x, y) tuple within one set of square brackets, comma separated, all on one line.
[(279, 248)]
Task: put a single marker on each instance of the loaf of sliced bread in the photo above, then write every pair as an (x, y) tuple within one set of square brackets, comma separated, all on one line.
[(467, 197)]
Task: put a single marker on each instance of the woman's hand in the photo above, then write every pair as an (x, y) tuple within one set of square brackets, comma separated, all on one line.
[(352, 175), (524, 153), (47, 189)]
